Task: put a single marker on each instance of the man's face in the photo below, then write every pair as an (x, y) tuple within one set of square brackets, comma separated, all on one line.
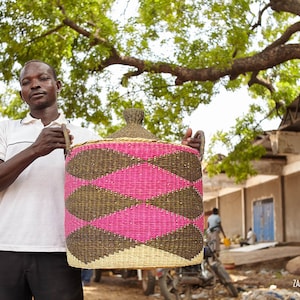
[(38, 86)]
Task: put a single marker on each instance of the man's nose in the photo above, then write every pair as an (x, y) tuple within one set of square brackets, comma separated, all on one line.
[(35, 83)]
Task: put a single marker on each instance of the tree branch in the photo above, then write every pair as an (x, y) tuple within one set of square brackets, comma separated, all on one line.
[(258, 23), (95, 39), (260, 61), (273, 55), (285, 36), (255, 80), (49, 32), (291, 6), (282, 40)]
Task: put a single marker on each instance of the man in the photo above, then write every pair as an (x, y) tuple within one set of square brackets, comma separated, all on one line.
[(250, 240), (32, 168), (214, 229), (32, 244)]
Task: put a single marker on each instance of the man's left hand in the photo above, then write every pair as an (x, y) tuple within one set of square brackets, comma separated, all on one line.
[(195, 141)]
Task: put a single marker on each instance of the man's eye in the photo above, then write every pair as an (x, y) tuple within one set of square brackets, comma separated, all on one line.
[(44, 78), (25, 82)]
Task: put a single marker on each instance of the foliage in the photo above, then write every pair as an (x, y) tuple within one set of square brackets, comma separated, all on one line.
[(241, 151), (165, 57)]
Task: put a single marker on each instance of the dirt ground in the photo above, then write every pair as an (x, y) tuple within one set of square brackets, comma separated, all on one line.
[(246, 278), (115, 288)]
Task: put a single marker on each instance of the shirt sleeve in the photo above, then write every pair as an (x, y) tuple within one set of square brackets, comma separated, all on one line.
[(82, 135), (3, 139)]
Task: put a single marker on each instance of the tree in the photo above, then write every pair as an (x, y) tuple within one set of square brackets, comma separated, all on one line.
[(169, 58)]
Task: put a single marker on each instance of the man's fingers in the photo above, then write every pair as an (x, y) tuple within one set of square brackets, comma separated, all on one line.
[(188, 134), (199, 134)]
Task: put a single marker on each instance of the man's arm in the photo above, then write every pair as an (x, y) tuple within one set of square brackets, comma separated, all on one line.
[(12, 168), (221, 228), (48, 140)]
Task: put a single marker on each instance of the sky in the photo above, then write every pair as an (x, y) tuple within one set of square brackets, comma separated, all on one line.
[(221, 113)]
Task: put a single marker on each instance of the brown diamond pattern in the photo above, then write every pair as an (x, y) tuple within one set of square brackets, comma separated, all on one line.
[(177, 203), (91, 202), (183, 164), (94, 163), (187, 248), (89, 244)]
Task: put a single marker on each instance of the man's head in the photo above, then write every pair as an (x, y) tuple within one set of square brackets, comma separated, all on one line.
[(39, 85), (215, 211), (38, 61)]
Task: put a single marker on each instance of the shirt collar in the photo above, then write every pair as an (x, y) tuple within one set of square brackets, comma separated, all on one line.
[(59, 121)]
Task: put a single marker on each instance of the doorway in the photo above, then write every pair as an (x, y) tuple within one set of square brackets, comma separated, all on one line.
[(263, 219)]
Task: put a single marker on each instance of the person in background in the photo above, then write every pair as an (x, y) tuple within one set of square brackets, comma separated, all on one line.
[(250, 240), (214, 228), (32, 172), (86, 276)]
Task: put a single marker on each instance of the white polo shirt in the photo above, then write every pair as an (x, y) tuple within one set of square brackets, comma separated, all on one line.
[(32, 208)]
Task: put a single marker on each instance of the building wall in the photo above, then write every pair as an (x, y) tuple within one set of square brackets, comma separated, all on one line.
[(230, 210), (291, 207), (236, 207), (209, 205), (230, 206), (266, 190)]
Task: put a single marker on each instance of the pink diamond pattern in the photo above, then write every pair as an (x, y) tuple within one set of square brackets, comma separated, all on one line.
[(72, 183), (156, 149), (143, 188), (72, 223), (142, 222), (146, 181), (198, 185), (199, 222)]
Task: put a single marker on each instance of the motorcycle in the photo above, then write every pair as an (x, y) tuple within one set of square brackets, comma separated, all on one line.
[(183, 283), (147, 277)]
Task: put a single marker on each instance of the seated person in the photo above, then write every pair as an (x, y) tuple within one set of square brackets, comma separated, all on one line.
[(251, 238)]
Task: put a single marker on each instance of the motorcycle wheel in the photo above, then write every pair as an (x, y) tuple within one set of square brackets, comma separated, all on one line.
[(225, 279), (148, 282), (170, 288)]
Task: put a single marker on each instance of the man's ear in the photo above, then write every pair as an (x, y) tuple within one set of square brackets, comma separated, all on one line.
[(20, 93), (58, 86)]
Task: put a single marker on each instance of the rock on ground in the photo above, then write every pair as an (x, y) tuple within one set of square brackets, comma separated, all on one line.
[(293, 266)]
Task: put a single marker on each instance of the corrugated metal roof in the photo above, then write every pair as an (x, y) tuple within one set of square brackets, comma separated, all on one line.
[(291, 119)]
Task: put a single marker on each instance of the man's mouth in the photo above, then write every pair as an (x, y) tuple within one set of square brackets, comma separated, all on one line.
[(37, 95)]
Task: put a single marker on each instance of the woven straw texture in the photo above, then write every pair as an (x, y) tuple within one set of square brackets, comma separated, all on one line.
[(133, 203)]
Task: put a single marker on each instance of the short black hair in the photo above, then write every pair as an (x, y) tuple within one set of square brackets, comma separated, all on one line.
[(40, 61), (215, 211)]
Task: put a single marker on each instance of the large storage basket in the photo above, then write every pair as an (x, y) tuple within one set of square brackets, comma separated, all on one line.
[(133, 202)]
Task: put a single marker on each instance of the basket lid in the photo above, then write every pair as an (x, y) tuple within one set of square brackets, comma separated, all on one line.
[(133, 129)]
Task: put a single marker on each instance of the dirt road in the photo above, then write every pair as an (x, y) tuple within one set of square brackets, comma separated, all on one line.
[(245, 279), (253, 271), (113, 288)]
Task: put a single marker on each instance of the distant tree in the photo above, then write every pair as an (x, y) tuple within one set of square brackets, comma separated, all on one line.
[(169, 56)]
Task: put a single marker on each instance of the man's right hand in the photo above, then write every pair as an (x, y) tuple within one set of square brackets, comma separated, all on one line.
[(50, 138)]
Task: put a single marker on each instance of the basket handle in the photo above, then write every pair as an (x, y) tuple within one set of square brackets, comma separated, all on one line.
[(67, 139)]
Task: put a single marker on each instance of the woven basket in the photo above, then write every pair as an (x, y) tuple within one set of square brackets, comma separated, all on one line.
[(133, 202)]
